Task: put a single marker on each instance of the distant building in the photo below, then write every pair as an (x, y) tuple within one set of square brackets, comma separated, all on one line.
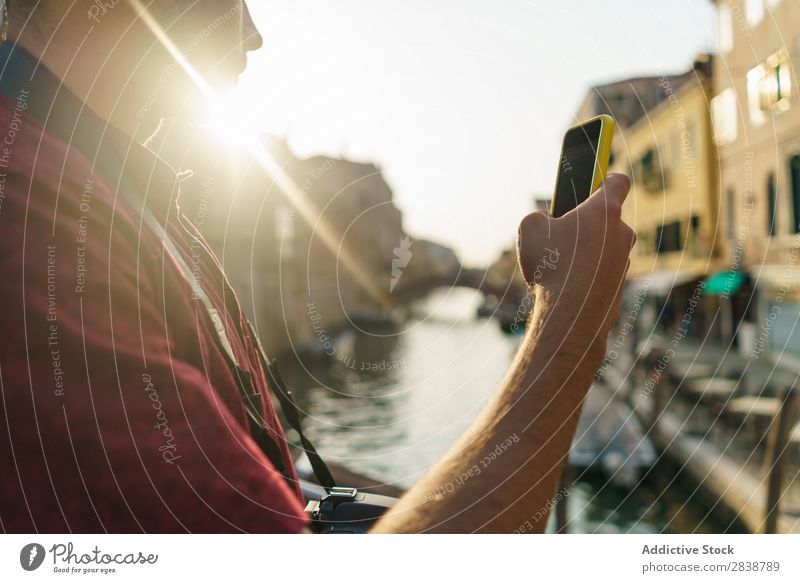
[(432, 261), (296, 289), (541, 202), (357, 205), (756, 114), (628, 100)]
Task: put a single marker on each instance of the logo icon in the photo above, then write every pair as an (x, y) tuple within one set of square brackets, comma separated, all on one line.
[(31, 556), (402, 255)]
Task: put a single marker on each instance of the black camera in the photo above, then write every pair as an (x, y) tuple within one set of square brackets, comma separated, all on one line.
[(343, 510)]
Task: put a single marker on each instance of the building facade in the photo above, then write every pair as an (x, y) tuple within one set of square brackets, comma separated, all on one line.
[(756, 115), (628, 100), (672, 205), (664, 144)]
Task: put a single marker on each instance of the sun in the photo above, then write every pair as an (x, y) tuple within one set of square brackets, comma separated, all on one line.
[(228, 117)]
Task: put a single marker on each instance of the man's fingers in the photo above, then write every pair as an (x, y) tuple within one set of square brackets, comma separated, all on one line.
[(615, 188)]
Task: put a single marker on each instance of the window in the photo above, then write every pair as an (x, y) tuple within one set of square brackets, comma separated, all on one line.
[(769, 86), (724, 28), (731, 215), (668, 237), (794, 177), (754, 10), (654, 176), (772, 196), (723, 115), (695, 237), (779, 79), (755, 81)]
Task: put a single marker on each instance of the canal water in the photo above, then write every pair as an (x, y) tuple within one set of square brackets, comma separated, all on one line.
[(389, 404)]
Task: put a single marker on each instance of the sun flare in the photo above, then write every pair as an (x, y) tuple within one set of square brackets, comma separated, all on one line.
[(227, 117)]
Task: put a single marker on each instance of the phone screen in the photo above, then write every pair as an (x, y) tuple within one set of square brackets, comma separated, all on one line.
[(576, 167)]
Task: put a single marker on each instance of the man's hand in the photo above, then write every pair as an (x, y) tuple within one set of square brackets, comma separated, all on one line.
[(576, 264)]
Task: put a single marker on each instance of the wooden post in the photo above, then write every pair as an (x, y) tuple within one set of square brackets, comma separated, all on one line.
[(658, 396), (777, 454)]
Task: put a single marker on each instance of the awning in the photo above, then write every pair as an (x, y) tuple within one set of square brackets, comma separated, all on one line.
[(724, 283)]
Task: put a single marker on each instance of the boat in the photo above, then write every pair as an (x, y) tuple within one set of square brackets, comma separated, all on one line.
[(610, 439)]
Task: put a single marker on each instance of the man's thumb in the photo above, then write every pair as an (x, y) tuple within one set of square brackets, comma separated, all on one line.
[(532, 236), (615, 188)]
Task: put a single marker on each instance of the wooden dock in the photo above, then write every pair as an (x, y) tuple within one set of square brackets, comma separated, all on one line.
[(753, 486)]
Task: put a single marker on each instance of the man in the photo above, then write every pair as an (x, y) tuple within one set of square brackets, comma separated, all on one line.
[(125, 355)]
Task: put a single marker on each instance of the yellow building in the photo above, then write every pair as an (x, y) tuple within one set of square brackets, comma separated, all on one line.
[(673, 201), (756, 113), (664, 143)]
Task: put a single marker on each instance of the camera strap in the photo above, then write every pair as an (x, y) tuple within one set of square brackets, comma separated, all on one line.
[(259, 429), (78, 127)]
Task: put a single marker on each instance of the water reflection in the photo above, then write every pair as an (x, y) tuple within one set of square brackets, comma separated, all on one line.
[(390, 405), (665, 501)]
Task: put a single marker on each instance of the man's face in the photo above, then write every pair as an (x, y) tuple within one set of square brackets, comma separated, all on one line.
[(214, 35)]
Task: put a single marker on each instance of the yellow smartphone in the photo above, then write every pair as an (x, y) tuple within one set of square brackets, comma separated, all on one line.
[(584, 160)]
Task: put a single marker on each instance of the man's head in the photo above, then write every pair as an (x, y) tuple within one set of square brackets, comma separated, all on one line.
[(110, 50)]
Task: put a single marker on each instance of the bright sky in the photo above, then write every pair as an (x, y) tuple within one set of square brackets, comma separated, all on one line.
[(462, 102)]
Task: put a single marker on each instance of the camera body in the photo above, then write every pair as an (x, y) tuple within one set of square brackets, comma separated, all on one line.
[(344, 510)]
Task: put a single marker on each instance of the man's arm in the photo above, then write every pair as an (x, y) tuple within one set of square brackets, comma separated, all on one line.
[(502, 473)]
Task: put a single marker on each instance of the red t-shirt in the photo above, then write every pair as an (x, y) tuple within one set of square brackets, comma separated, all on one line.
[(119, 412)]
